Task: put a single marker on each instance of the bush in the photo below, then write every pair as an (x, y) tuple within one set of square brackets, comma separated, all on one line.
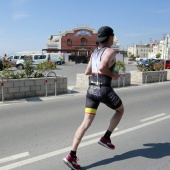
[(120, 66), (152, 67), (46, 66), (29, 70)]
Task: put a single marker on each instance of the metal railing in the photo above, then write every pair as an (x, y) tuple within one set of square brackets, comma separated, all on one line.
[(161, 75), (46, 83), (2, 88), (123, 73)]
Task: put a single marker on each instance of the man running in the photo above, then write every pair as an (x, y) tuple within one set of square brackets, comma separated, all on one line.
[(101, 68)]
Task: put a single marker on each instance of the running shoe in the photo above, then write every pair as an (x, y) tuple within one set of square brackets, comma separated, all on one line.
[(106, 143), (71, 162)]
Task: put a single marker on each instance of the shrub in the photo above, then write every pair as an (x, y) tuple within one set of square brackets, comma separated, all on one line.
[(120, 66), (152, 67), (46, 66), (29, 69)]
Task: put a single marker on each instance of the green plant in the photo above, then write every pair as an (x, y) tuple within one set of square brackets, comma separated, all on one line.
[(158, 66), (6, 73), (120, 66), (37, 75), (29, 69), (137, 55), (158, 55), (22, 75), (45, 66), (14, 76), (152, 66)]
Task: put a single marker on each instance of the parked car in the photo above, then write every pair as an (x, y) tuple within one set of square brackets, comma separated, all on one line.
[(36, 58), (167, 64), (145, 62)]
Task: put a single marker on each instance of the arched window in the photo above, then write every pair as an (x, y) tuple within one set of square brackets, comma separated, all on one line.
[(69, 42), (83, 41)]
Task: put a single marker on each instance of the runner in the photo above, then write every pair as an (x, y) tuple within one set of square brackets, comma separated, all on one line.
[(101, 68)]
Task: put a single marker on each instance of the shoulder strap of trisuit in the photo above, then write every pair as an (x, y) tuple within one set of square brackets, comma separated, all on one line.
[(101, 52)]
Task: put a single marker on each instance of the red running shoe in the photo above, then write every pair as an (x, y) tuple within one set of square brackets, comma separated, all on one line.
[(106, 143), (71, 162)]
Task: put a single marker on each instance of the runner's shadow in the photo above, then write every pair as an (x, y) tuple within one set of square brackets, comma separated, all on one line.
[(155, 151)]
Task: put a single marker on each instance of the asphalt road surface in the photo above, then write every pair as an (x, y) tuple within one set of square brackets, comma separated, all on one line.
[(37, 133)]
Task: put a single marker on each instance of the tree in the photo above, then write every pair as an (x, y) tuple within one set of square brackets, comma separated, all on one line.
[(158, 55), (137, 55)]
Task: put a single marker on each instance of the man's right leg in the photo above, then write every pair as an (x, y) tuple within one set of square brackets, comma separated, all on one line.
[(88, 119), (71, 160), (90, 112)]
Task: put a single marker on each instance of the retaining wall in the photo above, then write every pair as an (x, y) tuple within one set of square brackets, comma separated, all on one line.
[(32, 87), (82, 81), (148, 77), (168, 74)]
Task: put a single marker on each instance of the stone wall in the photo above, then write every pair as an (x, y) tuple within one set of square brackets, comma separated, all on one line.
[(148, 77), (82, 81), (168, 74), (32, 87)]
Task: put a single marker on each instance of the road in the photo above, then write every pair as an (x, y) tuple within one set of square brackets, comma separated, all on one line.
[(37, 133)]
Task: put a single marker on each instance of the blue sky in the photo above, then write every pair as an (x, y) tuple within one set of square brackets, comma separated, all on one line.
[(26, 24)]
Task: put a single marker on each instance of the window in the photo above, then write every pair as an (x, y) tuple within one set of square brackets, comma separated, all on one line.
[(83, 41), (69, 42), (22, 57), (36, 57), (42, 56), (16, 57)]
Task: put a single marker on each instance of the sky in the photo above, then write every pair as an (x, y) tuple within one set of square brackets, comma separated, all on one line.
[(26, 25)]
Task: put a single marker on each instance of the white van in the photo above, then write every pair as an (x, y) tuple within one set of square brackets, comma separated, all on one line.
[(36, 58), (56, 58), (14, 58)]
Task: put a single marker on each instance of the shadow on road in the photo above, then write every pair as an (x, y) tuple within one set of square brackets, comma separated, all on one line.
[(155, 151)]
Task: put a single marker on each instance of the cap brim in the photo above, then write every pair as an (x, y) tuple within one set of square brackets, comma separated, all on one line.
[(101, 39)]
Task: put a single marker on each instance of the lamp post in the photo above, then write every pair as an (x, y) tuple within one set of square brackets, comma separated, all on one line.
[(165, 49)]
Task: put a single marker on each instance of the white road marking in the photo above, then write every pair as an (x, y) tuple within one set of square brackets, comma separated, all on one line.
[(67, 149), (153, 117), (14, 157), (95, 134)]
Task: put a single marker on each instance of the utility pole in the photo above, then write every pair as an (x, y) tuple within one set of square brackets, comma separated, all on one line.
[(165, 48)]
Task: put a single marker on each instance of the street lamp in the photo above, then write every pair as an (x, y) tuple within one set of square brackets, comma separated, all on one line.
[(165, 48)]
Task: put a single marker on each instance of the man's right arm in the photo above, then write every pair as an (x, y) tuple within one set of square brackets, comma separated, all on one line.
[(88, 70)]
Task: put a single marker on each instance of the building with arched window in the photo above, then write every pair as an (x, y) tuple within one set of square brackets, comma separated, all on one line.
[(79, 41)]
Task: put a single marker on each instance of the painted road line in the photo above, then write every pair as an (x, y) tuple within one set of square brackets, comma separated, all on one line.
[(153, 117), (14, 157), (65, 150), (95, 134), (4, 104)]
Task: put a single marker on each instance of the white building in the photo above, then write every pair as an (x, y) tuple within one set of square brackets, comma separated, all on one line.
[(140, 50), (151, 50)]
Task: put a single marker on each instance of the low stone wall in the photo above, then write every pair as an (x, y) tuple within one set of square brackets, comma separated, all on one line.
[(148, 77), (168, 74), (32, 87), (82, 81)]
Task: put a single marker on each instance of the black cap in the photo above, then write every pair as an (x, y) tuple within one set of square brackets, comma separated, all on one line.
[(103, 33)]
